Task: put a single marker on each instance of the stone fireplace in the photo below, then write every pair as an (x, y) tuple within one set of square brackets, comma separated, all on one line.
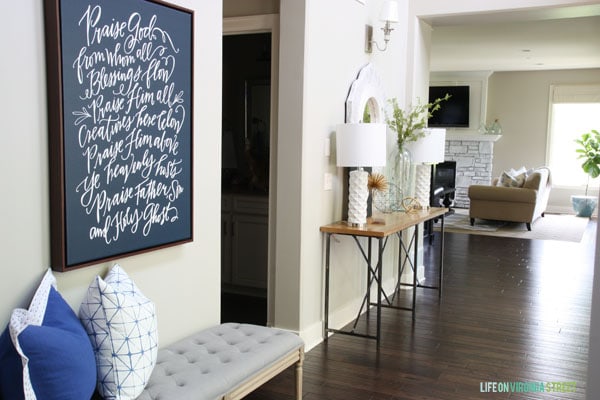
[(472, 151), (473, 154)]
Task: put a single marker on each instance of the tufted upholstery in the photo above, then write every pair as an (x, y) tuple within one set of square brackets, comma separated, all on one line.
[(215, 361)]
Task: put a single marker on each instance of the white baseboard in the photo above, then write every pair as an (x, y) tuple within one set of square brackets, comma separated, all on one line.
[(566, 210), (407, 275), (559, 210), (340, 317), (312, 336)]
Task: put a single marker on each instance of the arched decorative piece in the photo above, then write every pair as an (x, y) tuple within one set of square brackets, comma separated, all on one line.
[(366, 91)]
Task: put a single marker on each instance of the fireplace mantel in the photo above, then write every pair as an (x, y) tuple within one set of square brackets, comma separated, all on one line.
[(471, 136)]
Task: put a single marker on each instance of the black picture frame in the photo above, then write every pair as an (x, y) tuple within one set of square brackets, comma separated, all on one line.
[(120, 126)]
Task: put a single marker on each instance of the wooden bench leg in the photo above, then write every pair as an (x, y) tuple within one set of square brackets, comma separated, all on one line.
[(299, 375)]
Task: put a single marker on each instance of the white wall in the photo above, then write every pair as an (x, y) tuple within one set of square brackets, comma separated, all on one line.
[(520, 101), (289, 165), (183, 280), (332, 59)]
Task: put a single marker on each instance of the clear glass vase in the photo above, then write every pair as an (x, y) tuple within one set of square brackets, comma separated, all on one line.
[(403, 171), (399, 177)]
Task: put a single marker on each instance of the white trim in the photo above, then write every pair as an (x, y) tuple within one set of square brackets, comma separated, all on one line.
[(568, 94), (594, 185), (471, 136), (251, 24), (312, 335), (549, 126)]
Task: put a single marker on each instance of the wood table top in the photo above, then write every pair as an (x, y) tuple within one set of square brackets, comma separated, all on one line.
[(382, 225)]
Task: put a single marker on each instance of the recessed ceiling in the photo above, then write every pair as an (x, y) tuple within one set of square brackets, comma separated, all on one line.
[(565, 38)]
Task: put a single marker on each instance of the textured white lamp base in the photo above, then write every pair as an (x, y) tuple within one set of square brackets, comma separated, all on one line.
[(358, 193), (423, 184)]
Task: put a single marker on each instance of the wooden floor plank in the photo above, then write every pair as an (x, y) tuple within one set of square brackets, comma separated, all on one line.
[(512, 310)]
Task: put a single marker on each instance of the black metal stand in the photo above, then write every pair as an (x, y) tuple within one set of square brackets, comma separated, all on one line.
[(374, 275)]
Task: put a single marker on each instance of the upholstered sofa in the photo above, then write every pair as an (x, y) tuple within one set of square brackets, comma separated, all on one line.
[(518, 197)]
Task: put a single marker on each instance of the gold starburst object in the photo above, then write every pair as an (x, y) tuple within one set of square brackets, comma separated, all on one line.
[(377, 182)]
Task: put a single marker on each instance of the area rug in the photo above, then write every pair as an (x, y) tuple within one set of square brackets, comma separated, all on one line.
[(563, 227)]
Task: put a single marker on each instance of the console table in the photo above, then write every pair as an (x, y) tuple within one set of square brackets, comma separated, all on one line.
[(382, 228)]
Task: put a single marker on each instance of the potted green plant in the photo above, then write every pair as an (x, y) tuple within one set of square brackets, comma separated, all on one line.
[(589, 152)]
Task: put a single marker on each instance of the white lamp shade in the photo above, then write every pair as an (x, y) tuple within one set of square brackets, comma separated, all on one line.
[(361, 145), (429, 149), (389, 11)]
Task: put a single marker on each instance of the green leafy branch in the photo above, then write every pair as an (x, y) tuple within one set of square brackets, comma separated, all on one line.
[(409, 124)]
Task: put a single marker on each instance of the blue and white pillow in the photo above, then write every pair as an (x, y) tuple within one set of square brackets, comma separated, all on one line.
[(121, 324), (45, 352)]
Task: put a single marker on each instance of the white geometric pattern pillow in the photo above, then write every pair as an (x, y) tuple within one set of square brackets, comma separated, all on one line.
[(509, 180), (520, 178), (121, 324)]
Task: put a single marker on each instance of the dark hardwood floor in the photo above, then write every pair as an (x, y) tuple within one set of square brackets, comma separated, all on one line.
[(512, 310)]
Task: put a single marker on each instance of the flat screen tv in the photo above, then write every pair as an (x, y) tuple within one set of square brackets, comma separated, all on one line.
[(454, 113)]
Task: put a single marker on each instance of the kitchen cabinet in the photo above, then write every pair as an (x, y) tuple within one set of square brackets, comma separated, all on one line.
[(244, 241)]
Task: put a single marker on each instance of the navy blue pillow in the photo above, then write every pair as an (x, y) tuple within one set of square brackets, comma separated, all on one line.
[(60, 359), (11, 370)]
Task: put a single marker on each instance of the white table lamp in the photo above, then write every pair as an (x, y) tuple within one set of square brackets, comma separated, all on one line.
[(429, 149), (360, 145)]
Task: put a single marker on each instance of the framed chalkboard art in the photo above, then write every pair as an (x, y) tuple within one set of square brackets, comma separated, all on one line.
[(120, 79)]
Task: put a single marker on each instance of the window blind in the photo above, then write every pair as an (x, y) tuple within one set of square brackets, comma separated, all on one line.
[(576, 93)]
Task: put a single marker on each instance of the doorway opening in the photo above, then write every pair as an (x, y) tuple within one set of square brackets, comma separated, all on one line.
[(245, 176)]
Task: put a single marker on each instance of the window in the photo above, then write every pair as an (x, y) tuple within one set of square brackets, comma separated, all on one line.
[(574, 109)]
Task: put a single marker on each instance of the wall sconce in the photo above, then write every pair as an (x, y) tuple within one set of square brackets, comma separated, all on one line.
[(389, 15)]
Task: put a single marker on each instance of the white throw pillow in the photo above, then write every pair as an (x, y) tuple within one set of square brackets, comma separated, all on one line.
[(508, 180), (121, 324), (513, 178), (516, 172)]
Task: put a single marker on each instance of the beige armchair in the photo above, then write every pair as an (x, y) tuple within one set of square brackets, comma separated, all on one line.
[(515, 204)]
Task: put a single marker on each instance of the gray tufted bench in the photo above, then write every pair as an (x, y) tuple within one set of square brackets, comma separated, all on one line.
[(224, 362)]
